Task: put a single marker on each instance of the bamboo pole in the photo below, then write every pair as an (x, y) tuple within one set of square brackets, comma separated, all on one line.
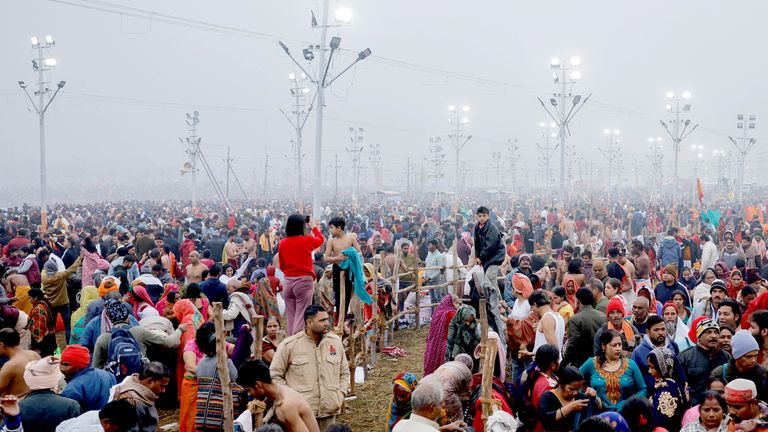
[(258, 327), (342, 304), (378, 333), (418, 308), (456, 287), (486, 392), (221, 366)]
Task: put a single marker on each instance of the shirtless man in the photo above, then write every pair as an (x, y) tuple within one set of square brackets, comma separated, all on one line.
[(232, 250), (195, 268), (287, 407), (338, 242), (562, 265), (12, 372), (642, 262), (12, 281)]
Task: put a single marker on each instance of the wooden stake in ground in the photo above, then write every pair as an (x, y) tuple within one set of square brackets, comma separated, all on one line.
[(457, 288), (258, 326), (342, 304), (221, 366)]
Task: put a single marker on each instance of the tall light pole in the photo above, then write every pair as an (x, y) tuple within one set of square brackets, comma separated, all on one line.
[(458, 121), (375, 159), (437, 158), (565, 75), (743, 144), (612, 153), (298, 118), (322, 80), (679, 107), (41, 64), (722, 159), (655, 147), (356, 138), (547, 148), (512, 153)]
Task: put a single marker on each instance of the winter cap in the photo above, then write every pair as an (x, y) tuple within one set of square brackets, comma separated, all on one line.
[(706, 324), (717, 284), (671, 304), (77, 356), (615, 304), (743, 343)]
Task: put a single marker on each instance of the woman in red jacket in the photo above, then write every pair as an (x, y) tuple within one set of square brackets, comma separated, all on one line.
[(295, 258)]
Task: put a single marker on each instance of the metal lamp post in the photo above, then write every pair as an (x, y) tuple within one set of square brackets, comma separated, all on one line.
[(42, 64)]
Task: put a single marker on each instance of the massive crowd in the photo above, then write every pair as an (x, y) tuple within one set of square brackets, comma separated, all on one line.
[(634, 316)]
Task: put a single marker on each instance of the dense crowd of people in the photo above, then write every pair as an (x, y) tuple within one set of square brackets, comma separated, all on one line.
[(631, 316)]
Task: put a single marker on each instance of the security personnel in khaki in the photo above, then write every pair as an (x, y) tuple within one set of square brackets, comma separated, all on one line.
[(313, 363)]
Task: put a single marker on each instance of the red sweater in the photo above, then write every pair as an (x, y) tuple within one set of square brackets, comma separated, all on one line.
[(296, 253)]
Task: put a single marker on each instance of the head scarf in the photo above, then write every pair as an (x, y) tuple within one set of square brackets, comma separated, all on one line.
[(724, 268), (115, 310), (87, 295), (400, 410), (663, 361), (163, 302), (140, 294), (110, 283), (435, 351), (616, 421), (187, 313), (465, 359), (43, 374), (522, 285), (77, 356), (264, 300)]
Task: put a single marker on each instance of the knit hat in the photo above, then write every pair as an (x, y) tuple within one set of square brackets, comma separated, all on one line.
[(524, 256), (706, 324), (692, 330), (522, 285), (740, 391), (615, 304), (77, 356), (671, 269), (669, 303), (743, 343), (717, 284), (116, 312), (43, 374)]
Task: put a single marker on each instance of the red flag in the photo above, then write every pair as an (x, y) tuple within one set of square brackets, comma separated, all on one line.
[(700, 190)]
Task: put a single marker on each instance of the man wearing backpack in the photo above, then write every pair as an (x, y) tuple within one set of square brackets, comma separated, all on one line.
[(123, 349), (669, 250)]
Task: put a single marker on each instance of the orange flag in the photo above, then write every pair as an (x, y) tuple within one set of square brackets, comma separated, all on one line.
[(699, 190)]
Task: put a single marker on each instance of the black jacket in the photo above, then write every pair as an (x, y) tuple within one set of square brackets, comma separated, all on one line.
[(698, 366), (757, 375), (489, 248)]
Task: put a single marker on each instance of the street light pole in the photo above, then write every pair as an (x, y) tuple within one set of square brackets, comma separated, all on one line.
[(457, 138), (678, 133), (611, 153), (42, 64), (356, 138), (321, 82), (299, 91), (563, 76), (743, 144)]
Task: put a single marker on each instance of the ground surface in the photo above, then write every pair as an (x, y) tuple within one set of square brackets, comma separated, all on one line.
[(368, 412)]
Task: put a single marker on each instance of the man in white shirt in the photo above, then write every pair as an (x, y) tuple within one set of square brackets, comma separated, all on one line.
[(427, 403), (709, 255)]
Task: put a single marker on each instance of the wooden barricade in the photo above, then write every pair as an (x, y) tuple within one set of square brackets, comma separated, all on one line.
[(221, 366)]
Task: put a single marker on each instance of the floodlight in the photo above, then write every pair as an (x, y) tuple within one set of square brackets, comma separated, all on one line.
[(451, 108), (752, 117), (303, 75), (35, 43), (464, 120), (363, 54), (555, 77), (669, 107), (686, 95), (554, 134), (616, 132), (554, 62), (465, 108), (197, 114), (740, 117), (22, 84), (335, 42), (49, 40), (576, 99), (739, 125), (606, 131), (61, 84), (49, 62), (575, 61), (305, 90), (687, 107), (542, 124), (308, 54), (671, 94), (291, 76), (553, 101), (553, 124), (343, 15)]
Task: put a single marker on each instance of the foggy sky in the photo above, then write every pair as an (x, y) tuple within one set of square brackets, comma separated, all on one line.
[(131, 80)]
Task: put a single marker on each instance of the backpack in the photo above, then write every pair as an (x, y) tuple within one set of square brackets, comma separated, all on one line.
[(669, 252), (124, 356)]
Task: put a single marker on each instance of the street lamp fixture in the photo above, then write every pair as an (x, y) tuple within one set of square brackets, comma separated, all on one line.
[(554, 62), (363, 54), (335, 42), (343, 15)]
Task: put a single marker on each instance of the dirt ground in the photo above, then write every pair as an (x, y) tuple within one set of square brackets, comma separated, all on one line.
[(369, 411)]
